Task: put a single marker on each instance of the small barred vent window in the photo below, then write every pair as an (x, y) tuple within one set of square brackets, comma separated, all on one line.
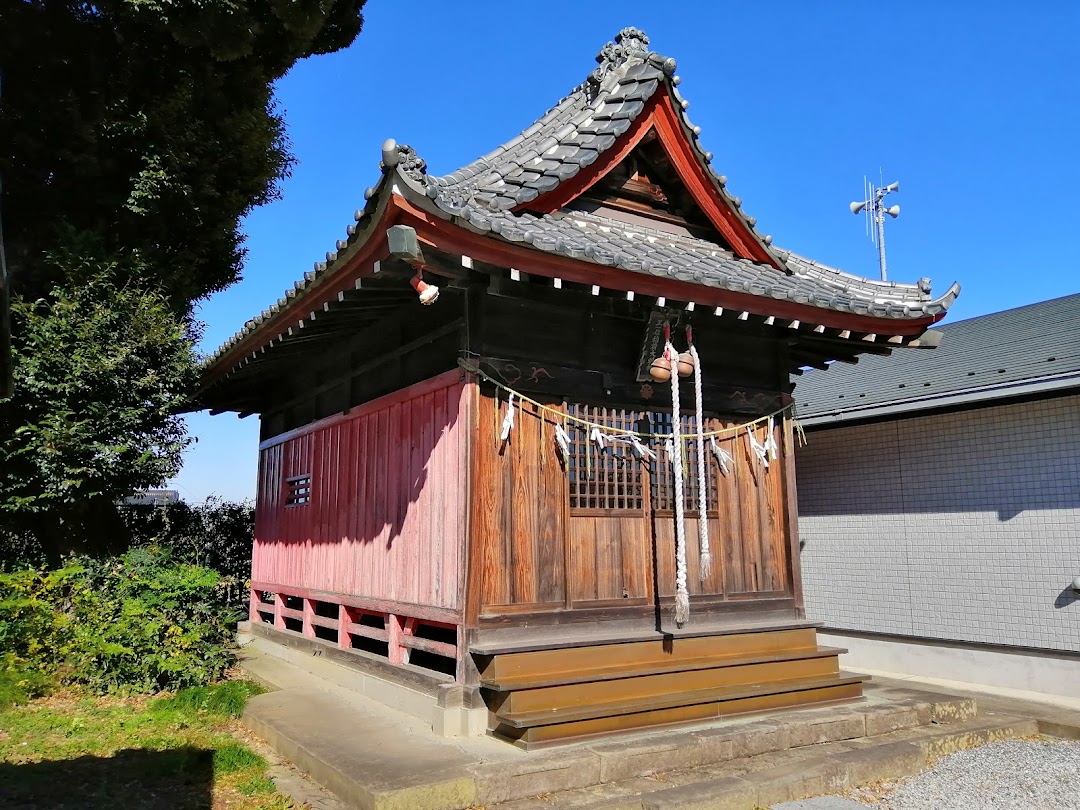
[(299, 490)]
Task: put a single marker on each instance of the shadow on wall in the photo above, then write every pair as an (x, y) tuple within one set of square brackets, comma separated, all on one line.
[(1067, 597), (179, 779), (368, 473), (1004, 460)]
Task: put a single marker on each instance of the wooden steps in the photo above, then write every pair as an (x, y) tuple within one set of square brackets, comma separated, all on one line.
[(544, 695), (604, 673)]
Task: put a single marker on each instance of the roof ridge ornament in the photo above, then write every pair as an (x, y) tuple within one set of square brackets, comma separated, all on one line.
[(630, 43), (411, 164), (403, 157)]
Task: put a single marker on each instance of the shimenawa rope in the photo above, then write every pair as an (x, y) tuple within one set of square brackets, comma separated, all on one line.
[(705, 554), (682, 595)]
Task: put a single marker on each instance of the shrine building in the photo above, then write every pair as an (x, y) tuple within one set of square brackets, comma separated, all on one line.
[(526, 433)]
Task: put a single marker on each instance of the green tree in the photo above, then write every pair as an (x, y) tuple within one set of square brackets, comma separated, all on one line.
[(134, 137), (103, 369), (151, 124)]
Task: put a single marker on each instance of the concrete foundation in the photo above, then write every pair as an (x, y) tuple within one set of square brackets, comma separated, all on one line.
[(444, 705), (1027, 674)]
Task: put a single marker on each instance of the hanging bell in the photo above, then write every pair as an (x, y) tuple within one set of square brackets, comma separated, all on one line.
[(686, 364), (660, 370), (428, 292)]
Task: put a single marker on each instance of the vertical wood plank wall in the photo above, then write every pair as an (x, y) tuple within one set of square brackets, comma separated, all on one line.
[(519, 510), (534, 553), (748, 532), (386, 519)]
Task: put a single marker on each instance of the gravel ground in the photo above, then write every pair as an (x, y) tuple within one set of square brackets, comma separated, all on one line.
[(1007, 775)]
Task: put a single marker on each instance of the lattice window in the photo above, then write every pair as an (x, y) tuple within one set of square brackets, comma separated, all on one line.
[(661, 474), (299, 490), (612, 479)]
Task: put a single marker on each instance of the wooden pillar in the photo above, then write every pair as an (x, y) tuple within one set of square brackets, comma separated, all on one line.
[(309, 611), (279, 617), (395, 629), (344, 623), (254, 600)]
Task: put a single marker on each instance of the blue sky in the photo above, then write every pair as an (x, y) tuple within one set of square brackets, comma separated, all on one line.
[(973, 106)]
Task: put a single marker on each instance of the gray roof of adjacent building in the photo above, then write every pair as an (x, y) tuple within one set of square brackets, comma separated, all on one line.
[(1028, 350)]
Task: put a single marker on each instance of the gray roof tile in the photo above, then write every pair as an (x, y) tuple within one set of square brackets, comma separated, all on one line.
[(639, 249)]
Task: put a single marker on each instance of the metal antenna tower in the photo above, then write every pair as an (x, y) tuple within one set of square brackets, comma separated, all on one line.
[(874, 206)]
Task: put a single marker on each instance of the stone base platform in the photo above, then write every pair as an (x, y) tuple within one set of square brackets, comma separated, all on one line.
[(376, 758)]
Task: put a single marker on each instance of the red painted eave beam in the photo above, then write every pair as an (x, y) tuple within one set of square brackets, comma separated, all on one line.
[(450, 238)]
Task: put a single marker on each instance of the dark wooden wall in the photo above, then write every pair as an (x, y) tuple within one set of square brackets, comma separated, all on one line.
[(602, 339), (532, 553), (411, 344)]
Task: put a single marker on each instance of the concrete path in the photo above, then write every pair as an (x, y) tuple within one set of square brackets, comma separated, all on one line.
[(1055, 718), (364, 759)]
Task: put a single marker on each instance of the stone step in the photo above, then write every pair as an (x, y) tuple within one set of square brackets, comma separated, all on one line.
[(785, 775), (590, 766)]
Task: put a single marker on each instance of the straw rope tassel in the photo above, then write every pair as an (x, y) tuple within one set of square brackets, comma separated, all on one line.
[(705, 566), (682, 595)]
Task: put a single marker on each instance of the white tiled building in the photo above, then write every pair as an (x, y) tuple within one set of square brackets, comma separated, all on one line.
[(939, 501)]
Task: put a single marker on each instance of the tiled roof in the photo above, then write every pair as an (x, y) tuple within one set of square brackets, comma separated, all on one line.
[(993, 356), (573, 134), (569, 137), (638, 249)]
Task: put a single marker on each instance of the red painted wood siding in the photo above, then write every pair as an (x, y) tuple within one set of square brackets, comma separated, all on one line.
[(386, 518)]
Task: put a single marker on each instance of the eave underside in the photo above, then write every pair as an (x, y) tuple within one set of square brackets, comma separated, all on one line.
[(368, 308)]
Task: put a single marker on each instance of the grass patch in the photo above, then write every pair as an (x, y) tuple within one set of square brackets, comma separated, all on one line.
[(255, 786), (233, 757), (173, 753), (223, 700)]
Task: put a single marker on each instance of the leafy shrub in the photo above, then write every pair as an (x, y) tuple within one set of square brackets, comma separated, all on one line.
[(216, 534), (160, 624), (19, 682), (140, 622), (33, 628), (33, 620)]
